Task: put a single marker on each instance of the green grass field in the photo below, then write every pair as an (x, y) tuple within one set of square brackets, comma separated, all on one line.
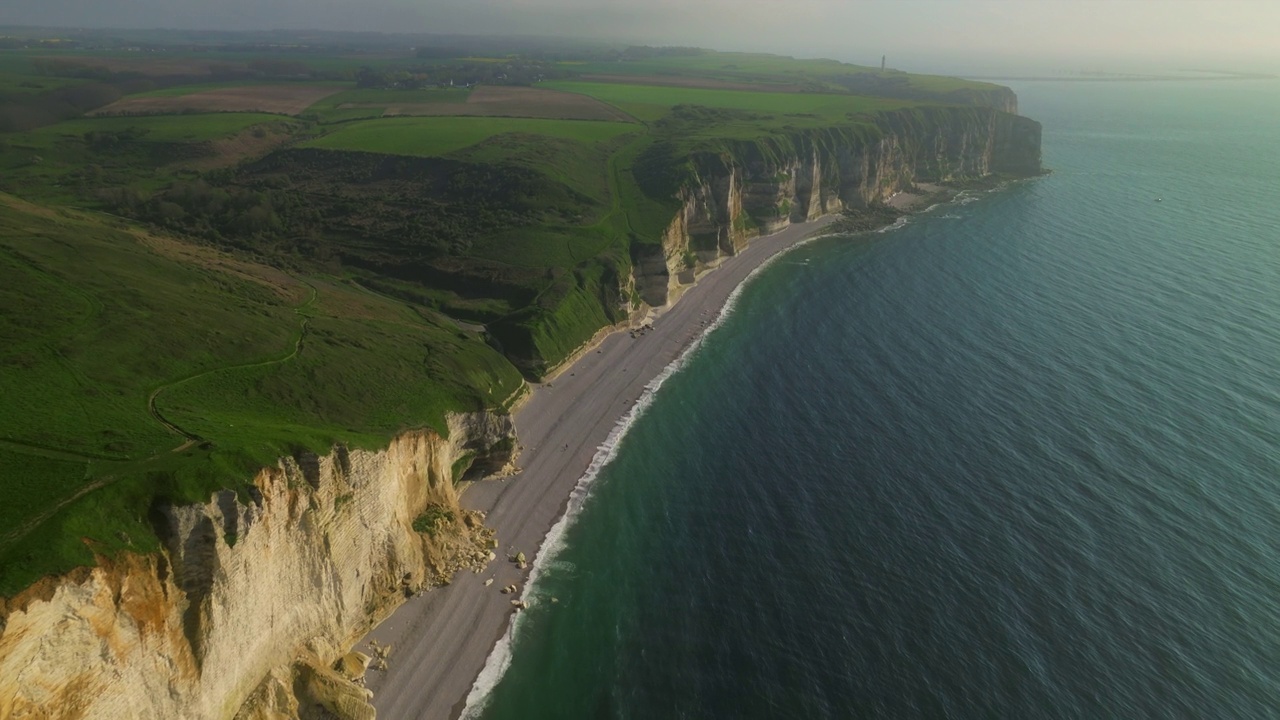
[(191, 127), (713, 120), (725, 67), (180, 90), (15, 63), (772, 69), (398, 97), (248, 362), (92, 300), (33, 84), (434, 136), (651, 102)]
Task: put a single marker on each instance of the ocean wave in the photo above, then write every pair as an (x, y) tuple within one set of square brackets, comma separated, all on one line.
[(899, 223)]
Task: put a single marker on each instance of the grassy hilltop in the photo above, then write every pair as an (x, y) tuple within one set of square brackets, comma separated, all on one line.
[(212, 258)]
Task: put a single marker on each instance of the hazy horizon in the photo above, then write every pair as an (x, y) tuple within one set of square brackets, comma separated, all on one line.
[(973, 36)]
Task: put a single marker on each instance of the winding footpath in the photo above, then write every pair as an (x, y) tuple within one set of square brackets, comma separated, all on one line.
[(190, 438)]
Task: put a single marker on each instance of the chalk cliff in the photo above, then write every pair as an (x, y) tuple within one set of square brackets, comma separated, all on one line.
[(255, 598), (759, 187)]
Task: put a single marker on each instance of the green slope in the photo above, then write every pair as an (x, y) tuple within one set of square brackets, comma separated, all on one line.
[(246, 362)]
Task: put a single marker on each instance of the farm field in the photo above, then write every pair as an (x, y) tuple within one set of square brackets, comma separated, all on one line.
[(33, 84), (442, 135), (756, 69), (290, 99), (380, 97), (169, 64), (483, 101), (160, 128), (652, 102), (365, 103), (492, 101), (701, 82)]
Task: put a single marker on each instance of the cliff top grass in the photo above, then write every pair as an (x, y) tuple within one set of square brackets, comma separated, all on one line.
[(801, 75), (145, 368), (373, 102), (652, 102)]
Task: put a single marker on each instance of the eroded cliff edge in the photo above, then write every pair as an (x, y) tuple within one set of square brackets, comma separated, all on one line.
[(255, 598)]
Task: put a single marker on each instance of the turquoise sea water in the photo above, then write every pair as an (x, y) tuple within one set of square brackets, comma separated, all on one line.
[(1017, 459)]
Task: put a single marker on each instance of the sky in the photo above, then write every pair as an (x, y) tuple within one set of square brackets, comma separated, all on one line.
[(987, 35)]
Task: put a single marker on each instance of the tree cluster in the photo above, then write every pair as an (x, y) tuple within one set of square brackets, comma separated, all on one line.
[(369, 209), (21, 112)]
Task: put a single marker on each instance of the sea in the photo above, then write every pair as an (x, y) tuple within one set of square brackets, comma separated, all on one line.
[(1018, 457)]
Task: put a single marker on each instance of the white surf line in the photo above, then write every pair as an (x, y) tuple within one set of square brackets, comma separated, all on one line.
[(554, 543)]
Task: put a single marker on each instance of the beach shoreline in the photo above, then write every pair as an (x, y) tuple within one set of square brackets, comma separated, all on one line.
[(443, 640)]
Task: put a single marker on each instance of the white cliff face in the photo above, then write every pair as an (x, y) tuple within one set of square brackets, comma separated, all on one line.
[(721, 211), (252, 594), (731, 199)]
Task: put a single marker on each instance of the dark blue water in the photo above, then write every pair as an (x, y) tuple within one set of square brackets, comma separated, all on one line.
[(1018, 459)]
